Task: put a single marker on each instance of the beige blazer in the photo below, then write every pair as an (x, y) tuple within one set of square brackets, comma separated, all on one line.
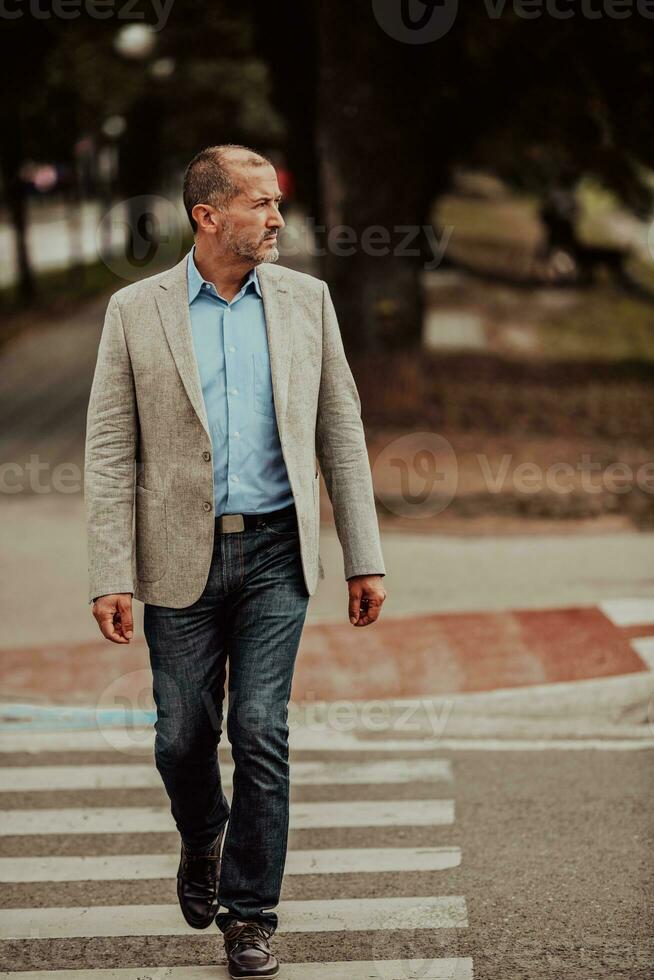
[(148, 473)]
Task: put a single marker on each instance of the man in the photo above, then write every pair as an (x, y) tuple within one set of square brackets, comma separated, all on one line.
[(220, 386)]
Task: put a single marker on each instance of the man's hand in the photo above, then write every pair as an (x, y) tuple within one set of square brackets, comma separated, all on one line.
[(367, 595), (113, 614)]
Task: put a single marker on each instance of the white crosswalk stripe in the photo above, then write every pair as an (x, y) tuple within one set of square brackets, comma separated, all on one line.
[(629, 611), (140, 740), (332, 915), (458, 968), (157, 819), (141, 747), (335, 910), (34, 778), (644, 647), (141, 867)]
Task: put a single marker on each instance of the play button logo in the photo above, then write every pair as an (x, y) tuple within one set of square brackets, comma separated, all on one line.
[(415, 21)]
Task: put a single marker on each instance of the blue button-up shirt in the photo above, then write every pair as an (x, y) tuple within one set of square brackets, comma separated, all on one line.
[(231, 348)]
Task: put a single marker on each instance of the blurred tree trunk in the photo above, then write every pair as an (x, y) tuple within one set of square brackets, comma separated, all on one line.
[(286, 37), (15, 196), (368, 118), (139, 178), (373, 177)]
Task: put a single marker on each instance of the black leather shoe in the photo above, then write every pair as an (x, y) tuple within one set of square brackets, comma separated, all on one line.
[(198, 877), (248, 952)]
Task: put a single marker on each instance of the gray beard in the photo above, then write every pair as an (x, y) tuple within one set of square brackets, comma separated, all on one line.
[(272, 255), (246, 249)]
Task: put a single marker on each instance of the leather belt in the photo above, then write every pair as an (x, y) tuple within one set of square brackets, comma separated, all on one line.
[(230, 523)]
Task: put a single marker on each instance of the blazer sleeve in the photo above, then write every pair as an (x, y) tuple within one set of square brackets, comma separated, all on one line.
[(343, 456), (110, 463)]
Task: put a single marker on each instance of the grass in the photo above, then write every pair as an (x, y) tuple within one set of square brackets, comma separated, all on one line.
[(598, 323), (511, 220), (603, 325)]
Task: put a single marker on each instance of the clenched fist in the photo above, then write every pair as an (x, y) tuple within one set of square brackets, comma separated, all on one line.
[(367, 595), (113, 614)]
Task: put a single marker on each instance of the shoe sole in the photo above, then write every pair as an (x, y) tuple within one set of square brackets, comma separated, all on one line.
[(254, 976)]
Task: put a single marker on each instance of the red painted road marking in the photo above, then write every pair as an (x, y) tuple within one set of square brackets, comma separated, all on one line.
[(449, 653), (403, 657), (633, 632)]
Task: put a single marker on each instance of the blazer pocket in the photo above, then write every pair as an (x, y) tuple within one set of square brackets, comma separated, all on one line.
[(263, 392), (151, 534)]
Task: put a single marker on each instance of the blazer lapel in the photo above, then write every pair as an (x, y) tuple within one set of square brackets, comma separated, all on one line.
[(172, 302), (277, 304)]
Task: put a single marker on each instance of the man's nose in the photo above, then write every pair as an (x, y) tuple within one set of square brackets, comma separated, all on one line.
[(276, 221)]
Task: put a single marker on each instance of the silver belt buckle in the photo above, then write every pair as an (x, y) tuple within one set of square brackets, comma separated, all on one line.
[(231, 522)]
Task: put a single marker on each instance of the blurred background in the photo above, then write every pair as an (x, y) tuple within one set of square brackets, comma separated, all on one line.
[(476, 188), (476, 185)]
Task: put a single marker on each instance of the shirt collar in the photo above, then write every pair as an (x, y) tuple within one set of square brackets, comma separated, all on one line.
[(196, 282)]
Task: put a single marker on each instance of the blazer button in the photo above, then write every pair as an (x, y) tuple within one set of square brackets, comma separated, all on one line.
[(206, 505), (206, 454)]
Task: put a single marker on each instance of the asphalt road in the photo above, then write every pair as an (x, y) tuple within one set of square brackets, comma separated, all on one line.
[(554, 880)]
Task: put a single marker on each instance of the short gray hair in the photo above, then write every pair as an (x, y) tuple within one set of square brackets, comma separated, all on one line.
[(208, 179)]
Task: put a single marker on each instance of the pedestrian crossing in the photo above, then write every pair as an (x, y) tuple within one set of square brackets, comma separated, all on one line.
[(443, 969), (353, 791)]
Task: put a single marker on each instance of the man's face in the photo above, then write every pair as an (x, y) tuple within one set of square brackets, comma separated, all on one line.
[(252, 221)]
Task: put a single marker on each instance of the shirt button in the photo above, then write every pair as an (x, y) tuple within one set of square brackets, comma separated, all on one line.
[(206, 454), (206, 505), (231, 347), (237, 435), (234, 391), (235, 479)]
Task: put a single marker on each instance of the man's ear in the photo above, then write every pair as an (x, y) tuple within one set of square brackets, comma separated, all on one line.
[(204, 218)]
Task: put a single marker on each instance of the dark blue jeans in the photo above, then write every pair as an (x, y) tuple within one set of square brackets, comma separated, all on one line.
[(248, 621)]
